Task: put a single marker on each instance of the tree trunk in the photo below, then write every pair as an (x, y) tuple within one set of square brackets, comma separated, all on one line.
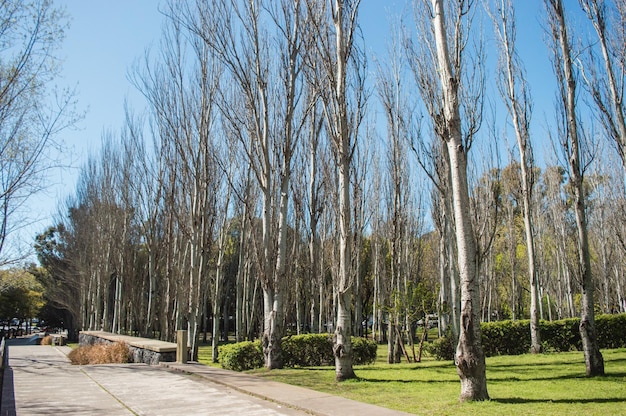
[(564, 69), (470, 358), (342, 348), (517, 98), (343, 127), (343, 344)]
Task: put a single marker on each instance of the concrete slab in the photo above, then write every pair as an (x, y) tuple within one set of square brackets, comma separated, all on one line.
[(41, 381), (309, 401)]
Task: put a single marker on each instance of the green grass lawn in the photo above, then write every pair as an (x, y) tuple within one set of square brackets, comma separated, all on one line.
[(546, 384)]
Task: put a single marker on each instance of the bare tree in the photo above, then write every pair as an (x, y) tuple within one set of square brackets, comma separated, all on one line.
[(31, 114), (433, 159), (267, 114), (399, 204), (555, 223), (218, 290), (147, 187), (316, 158), (516, 95), (572, 142), (452, 100), (606, 82), (182, 92), (342, 93), (470, 360)]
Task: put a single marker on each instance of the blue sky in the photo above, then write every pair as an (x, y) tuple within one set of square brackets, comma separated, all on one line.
[(106, 37)]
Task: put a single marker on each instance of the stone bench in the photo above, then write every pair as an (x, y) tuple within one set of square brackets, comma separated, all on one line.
[(143, 350)]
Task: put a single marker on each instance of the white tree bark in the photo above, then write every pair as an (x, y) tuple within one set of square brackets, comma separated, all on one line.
[(469, 359), (336, 26), (517, 99), (571, 142)]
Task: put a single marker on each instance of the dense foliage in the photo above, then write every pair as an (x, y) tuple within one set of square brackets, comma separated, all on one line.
[(21, 295), (442, 348)]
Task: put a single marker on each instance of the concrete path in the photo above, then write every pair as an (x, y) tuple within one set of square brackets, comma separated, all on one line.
[(41, 381), (309, 401)]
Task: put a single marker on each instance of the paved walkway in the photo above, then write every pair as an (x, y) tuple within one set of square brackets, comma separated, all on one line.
[(40, 381)]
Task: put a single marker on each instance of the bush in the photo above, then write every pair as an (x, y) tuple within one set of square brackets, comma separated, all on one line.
[(363, 350), (513, 338), (116, 353), (313, 350), (241, 356), (307, 350), (506, 337), (560, 336), (443, 348), (611, 331)]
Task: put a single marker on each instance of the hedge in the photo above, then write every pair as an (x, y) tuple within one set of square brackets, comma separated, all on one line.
[(241, 356), (611, 331), (513, 337), (363, 351), (308, 350)]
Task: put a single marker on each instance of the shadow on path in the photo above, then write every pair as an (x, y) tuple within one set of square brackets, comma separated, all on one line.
[(7, 395)]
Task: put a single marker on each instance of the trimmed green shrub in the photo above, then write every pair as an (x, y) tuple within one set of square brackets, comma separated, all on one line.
[(513, 337), (307, 350), (363, 350), (505, 337), (241, 356), (611, 331), (313, 350), (442, 348), (560, 336)]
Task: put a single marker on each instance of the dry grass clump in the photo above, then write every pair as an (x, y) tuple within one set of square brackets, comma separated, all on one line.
[(50, 340), (116, 353)]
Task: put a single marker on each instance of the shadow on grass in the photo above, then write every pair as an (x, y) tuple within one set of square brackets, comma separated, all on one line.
[(519, 400), (616, 377), (423, 366), (509, 366), (401, 381), (493, 374), (613, 377), (555, 363), (576, 376)]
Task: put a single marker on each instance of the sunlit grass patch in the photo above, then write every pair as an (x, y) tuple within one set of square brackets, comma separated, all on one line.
[(546, 384)]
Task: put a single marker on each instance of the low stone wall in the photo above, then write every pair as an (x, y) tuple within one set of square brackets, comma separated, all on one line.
[(143, 350)]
